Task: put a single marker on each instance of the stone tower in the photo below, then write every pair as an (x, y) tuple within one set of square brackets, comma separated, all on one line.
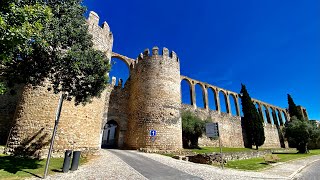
[(79, 127), (155, 101)]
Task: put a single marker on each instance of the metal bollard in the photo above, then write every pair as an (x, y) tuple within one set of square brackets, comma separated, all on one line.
[(75, 160), (66, 161)]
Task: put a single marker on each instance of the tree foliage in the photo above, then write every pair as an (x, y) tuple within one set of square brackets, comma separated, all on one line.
[(253, 121), (192, 128), (293, 109), (298, 131), (49, 41)]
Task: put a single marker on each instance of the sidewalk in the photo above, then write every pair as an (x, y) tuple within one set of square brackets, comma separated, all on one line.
[(290, 169)]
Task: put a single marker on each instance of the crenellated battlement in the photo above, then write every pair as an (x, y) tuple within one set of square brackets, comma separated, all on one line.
[(151, 60), (166, 54), (93, 22), (102, 37)]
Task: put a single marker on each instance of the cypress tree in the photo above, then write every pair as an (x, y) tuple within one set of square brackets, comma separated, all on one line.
[(253, 122), (293, 109)]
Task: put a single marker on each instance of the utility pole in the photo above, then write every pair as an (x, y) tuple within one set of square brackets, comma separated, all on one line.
[(54, 133)]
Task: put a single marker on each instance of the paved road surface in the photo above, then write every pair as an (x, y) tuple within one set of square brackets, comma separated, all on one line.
[(311, 172), (150, 168)]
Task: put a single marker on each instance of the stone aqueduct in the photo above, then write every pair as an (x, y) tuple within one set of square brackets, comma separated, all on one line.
[(124, 115), (279, 115)]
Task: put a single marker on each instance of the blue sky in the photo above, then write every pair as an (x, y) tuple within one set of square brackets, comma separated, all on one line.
[(271, 46)]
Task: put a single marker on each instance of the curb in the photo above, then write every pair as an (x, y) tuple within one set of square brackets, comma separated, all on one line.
[(301, 168)]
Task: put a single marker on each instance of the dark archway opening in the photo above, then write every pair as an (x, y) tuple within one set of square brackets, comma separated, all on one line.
[(110, 135)]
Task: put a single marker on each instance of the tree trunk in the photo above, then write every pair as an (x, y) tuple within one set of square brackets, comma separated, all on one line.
[(302, 148), (194, 142)]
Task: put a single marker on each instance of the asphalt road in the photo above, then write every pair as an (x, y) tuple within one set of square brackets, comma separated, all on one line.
[(150, 168), (311, 172)]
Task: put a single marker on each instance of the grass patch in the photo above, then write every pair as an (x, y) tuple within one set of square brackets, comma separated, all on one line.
[(217, 149), (247, 164), (256, 164), (168, 154), (13, 168)]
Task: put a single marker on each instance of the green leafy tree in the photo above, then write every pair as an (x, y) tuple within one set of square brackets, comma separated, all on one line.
[(20, 24), (301, 133), (49, 41), (253, 122), (298, 131), (293, 109), (192, 128)]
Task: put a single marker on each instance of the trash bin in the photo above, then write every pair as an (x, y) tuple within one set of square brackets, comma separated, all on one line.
[(66, 161), (75, 160)]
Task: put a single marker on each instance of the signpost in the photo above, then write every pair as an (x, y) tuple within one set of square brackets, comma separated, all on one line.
[(153, 132), (212, 131)]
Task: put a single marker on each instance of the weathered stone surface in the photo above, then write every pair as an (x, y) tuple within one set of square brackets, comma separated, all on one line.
[(231, 130), (229, 126), (215, 158), (154, 102), (79, 126), (272, 136), (8, 105)]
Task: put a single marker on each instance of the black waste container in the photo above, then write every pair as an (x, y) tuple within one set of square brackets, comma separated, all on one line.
[(66, 162), (75, 160)]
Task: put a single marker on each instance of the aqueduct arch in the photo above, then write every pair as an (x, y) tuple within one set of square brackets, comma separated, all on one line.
[(204, 94), (214, 91), (128, 61), (191, 89)]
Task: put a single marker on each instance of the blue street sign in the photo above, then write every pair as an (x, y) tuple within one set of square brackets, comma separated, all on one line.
[(153, 132)]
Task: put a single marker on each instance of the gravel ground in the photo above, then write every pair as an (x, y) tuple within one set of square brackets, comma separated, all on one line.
[(107, 166)]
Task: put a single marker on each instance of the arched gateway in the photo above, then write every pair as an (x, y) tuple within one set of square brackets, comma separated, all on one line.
[(110, 135)]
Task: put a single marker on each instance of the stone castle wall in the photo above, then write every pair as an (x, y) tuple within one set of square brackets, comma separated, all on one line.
[(102, 37), (8, 105), (272, 135), (229, 127), (79, 127), (231, 130), (116, 108), (155, 101)]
